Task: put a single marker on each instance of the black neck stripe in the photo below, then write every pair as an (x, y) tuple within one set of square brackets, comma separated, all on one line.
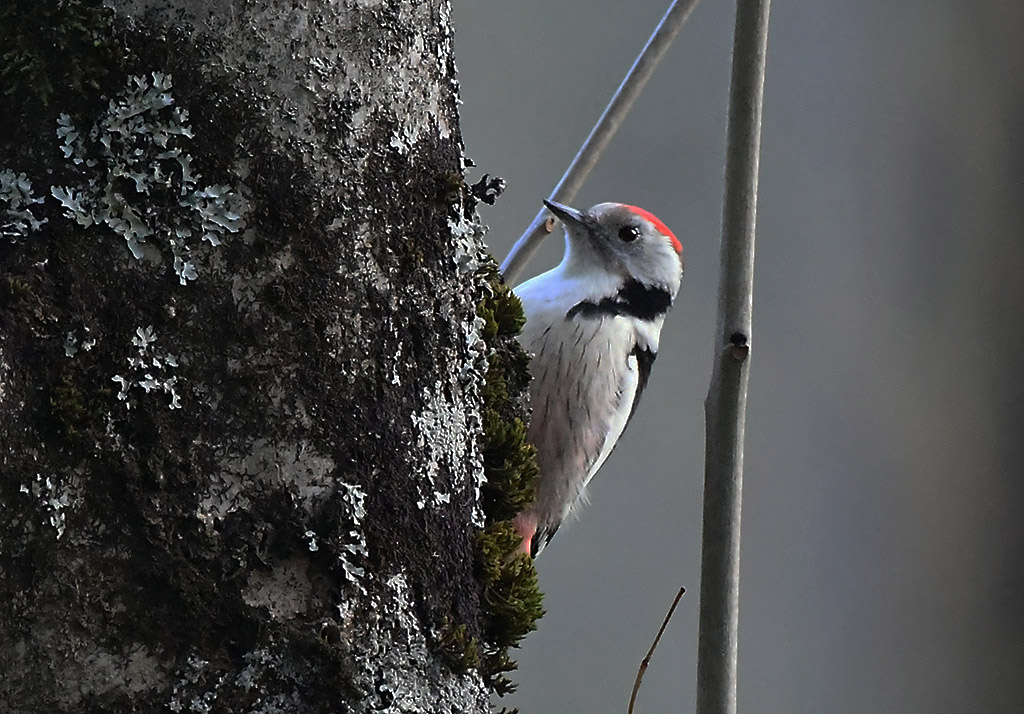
[(634, 299)]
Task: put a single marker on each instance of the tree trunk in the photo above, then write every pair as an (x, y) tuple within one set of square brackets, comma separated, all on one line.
[(241, 370)]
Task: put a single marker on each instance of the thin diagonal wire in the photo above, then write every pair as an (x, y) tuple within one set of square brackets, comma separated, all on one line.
[(602, 133)]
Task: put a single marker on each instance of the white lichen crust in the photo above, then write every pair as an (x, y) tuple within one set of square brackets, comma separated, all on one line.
[(396, 655), (16, 198)]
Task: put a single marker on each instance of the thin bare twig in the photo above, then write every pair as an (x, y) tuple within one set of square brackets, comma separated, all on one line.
[(647, 658), (725, 408), (600, 135)]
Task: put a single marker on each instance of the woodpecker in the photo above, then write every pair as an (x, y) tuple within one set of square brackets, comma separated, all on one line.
[(592, 324)]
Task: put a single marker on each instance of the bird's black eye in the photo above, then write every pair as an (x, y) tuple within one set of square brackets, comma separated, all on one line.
[(629, 233)]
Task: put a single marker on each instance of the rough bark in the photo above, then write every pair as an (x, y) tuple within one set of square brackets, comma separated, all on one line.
[(240, 364)]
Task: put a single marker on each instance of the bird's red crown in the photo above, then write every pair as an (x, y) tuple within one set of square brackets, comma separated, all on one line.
[(659, 224)]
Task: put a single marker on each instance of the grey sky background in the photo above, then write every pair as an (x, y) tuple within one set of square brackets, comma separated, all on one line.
[(882, 543)]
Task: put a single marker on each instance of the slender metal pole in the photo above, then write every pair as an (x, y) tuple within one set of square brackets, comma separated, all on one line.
[(600, 135), (725, 408)]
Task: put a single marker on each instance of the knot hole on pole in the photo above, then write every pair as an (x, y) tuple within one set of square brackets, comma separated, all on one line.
[(739, 347)]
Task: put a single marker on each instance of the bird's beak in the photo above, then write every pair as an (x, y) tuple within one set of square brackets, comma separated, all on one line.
[(567, 215)]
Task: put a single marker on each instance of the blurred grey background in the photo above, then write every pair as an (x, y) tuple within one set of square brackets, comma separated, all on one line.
[(882, 543)]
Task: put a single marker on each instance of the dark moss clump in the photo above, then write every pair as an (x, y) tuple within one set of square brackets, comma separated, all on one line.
[(13, 290), (511, 600), (67, 406), (510, 597), (75, 409), (55, 43), (510, 464), (460, 649), (501, 310)]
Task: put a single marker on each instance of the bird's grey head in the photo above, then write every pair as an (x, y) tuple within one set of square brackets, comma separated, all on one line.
[(624, 240)]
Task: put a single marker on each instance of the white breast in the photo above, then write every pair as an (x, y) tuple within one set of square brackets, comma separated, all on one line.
[(584, 382)]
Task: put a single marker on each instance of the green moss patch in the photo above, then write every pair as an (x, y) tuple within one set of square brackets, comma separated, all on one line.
[(512, 601), (510, 597)]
